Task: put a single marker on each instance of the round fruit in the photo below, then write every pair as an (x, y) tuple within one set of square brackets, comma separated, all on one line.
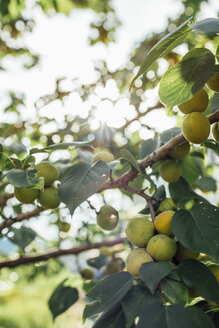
[(198, 103), (49, 198), (213, 82), (87, 274), (113, 267), (169, 170), (166, 205), (139, 230), (195, 127), (215, 270), (26, 195), (108, 217), (161, 248), (106, 251), (48, 171), (215, 131), (184, 253), (103, 156), (135, 259), (163, 222), (180, 151)]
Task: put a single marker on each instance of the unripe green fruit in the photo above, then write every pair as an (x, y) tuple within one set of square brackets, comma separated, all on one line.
[(180, 151), (184, 253), (166, 205), (161, 248), (213, 82), (215, 131), (48, 171), (106, 251), (26, 195), (103, 156), (198, 103), (163, 222), (108, 217), (169, 170), (113, 267), (139, 230), (196, 127), (135, 259), (49, 198), (87, 274)]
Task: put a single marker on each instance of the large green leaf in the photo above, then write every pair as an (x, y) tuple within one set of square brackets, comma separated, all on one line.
[(108, 292), (209, 26), (62, 298), (175, 291), (172, 316), (21, 178), (199, 277), (81, 182), (97, 262), (22, 236), (148, 147), (163, 47), (185, 79), (189, 169), (207, 184), (198, 228), (64, 145), (152, 273), (125, 154), (166, 135), (135, 301), (114, 318), (214, 105)]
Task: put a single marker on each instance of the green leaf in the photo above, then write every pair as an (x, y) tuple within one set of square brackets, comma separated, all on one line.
[(159, 194), (196, 52), (12, 163), (209, 26), (214, 105), (163, 47), (175, 291), (108, 292), (114, 318), (212, 144), (186, 78), (135, 301), (81, 182), (207, 184), (1, 148), (62, 298), (97, 262), (198, 228), (169, 134), (161, 316), (217, 54), (152, 273), (125, 154), (148, 147), (64, 145), (22, 236), (189, 170), (21, 178), (199, 277)]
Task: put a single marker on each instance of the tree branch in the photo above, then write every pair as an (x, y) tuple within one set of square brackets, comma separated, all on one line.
[(4, 198), (58, 252)]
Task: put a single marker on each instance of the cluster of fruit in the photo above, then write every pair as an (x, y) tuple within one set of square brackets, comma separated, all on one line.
[(48, 198)]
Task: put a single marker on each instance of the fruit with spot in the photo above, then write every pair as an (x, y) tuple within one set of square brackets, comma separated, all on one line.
[(197, 103), (139, 230), (26, 195), (135, 259), (161, 247), (48, 171), (108, 217), (196, 127), (169, 170), (49, 198), (163, 222)]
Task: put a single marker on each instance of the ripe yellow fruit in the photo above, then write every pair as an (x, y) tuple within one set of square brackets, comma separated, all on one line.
[(166, 205), (180, 151), (213, 82), (215, 131), (163, 222), (48, 171), (87, 274), (108, 217), (26, 195), (184, 253), (169, 170), (135, 259), (161, 248), (113, 267), (215, 270), (198, 103), (195, 127), (103, 156), (139, 230), (49, 198)]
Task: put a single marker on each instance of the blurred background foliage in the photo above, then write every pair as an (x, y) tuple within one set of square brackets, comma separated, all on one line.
[(26, 289)]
